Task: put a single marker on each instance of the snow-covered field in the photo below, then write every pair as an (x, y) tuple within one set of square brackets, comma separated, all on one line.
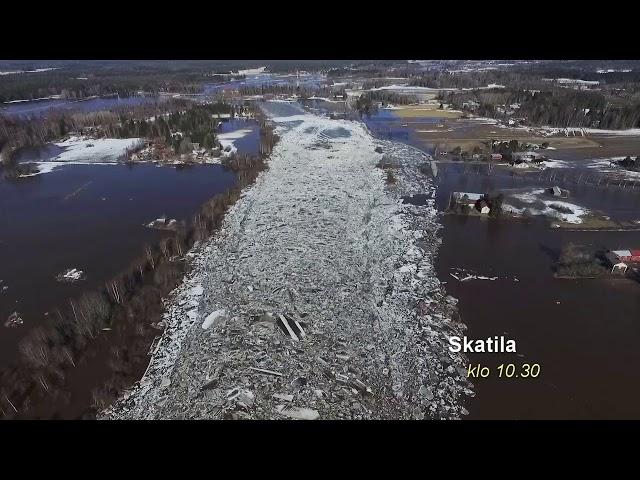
[(538, 203), (318, 244), (101, 150), (252, 71), (82, 151)]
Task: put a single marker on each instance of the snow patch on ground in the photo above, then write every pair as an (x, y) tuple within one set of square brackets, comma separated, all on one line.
[(528, 197), (540, 206), (550, 163), (84, 151), (101, 150), (606, 165)]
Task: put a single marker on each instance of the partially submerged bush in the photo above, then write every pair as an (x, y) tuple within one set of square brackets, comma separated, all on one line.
[(387, 162), (575, 261), (391, 178)]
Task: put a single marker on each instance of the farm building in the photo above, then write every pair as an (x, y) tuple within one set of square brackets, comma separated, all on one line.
[(617, 266), (471, 200), (466, 198), (626, 255), (483, 207)]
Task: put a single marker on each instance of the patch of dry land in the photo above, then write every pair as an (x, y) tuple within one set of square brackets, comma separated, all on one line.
[(425, 111), (317, 299), (598, 222)]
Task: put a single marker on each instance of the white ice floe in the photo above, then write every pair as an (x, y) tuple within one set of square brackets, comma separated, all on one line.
[(298, 413), (464, 275), (196, 291), (70, 275), (212, 317)]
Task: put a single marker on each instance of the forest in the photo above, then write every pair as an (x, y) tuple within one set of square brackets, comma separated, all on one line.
[(367, 103), (558, 107), (79, 81)]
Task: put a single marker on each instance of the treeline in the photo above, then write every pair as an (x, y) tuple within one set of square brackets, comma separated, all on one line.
[(367, 103), (558, 107), (18, 132), (196, 123), (472, 79), (629, 163), (380, 68), (120, 321), (123, 81), (529, 76), (585, 70), (287, 89)]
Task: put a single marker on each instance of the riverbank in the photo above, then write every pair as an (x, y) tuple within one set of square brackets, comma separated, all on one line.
[(321, 246)]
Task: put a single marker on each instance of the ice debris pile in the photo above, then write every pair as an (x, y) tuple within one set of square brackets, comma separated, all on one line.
[(70, 275), (317, 299)]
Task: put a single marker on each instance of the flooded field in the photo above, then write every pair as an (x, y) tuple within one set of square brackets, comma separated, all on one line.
[(583, 333), (88, 217)]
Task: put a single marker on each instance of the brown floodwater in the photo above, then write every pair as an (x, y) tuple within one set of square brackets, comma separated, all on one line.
[(584, 334)]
